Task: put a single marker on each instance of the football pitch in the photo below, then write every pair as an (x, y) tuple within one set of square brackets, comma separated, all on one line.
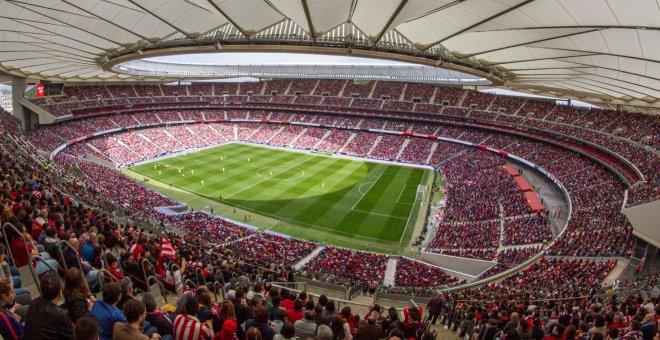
[(353, 198)]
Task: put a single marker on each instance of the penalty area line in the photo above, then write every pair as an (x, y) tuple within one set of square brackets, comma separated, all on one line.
[(365, 194), (374, 213)]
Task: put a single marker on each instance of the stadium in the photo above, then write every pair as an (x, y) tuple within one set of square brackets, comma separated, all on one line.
[(359, 169)]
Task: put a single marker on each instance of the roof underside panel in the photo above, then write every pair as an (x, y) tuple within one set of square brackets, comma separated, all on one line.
[(124, 16), (608, 48), (452, 20), (326, 14), (186, 17), (375, 16), (251, 15)]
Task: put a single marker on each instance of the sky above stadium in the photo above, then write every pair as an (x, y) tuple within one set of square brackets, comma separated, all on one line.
[(271, 59)]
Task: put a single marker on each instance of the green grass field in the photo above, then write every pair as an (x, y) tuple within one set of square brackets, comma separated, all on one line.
[(355, 199)]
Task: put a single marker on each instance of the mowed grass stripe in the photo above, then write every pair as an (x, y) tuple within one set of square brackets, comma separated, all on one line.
[(267, 188), (339, 176), (211, 172), (216, 183), (338, 202), (249, 180), (304, 201), (381, 198)]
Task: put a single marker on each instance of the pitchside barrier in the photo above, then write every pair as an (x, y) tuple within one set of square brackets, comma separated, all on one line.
[(360, 309), (325, 288), (398, 300)]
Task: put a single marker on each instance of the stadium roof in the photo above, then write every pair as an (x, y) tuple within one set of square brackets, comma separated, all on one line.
[(599, 50)]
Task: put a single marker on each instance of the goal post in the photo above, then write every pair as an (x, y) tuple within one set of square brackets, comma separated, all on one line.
[(421, 191)]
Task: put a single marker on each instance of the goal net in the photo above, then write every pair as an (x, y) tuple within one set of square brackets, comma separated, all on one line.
[(421, 190)]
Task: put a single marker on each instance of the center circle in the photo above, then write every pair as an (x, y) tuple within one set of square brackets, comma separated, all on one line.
[(275, 173)]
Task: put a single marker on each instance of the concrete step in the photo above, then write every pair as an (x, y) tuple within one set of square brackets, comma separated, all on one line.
[(308, 258), (390, 272)]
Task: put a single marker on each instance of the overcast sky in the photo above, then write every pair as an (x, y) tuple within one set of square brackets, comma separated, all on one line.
[(272, 58)]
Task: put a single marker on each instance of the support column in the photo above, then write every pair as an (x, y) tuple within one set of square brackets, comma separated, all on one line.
[(17, 89)]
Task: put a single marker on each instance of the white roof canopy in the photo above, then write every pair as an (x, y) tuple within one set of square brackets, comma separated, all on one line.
[(608, 49)]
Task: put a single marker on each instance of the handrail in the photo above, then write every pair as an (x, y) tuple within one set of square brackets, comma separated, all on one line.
[(59, 248), (215, 289), (11, 254), (61, 255), (218, 276), (101, 279), (160, 285), (186, 283), (33, 271), (106, 264), (144, 273), (198, 272)]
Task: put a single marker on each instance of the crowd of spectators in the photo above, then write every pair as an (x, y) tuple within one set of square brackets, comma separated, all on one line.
[(282, 99), (512, 204), (511, 257), (310, 138), (96, 233), (388, 147), (389, 90), (360, 144), (249, 88), (269, 251), (417, 151), (335, 140), (527, 229), (478, 100), (481, 234), (308, 100), (286, 135), (607, 191), (367, 103), (329, 87), (358, 90), (412, 273), (332, 263)]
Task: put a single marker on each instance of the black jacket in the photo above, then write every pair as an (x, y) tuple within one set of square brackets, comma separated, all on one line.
[(45, 320), (77, 308)]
